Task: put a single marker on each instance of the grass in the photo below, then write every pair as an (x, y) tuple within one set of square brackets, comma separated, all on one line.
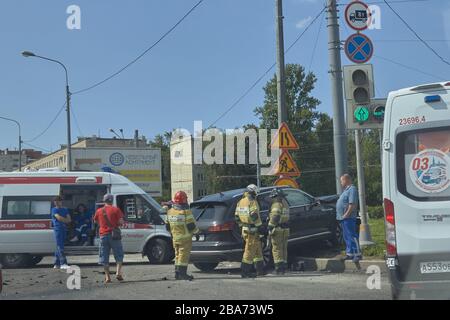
[(377, 231)]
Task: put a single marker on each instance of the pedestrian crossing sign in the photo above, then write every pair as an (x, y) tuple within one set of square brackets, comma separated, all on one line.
[(284, 139), (285, 166)]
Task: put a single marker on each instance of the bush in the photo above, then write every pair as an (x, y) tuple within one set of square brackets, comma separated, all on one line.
[(376, 212)]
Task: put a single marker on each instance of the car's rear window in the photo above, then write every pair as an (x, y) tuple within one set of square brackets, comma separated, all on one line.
[(209, 211), (423, 164)]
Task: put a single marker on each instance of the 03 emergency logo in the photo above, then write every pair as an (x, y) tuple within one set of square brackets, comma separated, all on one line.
[(429, 171), (117, 159)]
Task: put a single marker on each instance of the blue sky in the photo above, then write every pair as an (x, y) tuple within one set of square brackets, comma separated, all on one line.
[(195, 73)]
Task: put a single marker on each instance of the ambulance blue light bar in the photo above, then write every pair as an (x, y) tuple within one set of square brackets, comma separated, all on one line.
[(431, 99)]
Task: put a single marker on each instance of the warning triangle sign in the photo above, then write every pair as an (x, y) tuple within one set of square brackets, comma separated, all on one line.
[(285, 166), (284, 139)]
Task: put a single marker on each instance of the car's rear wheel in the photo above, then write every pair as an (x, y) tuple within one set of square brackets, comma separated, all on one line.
[(206, 266), (338, 236), (158, 251), (16, 260)]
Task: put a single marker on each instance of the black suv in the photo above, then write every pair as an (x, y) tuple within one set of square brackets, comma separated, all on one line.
[(220, 239)]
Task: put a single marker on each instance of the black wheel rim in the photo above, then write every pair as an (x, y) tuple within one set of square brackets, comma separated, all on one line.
[(157, 252)]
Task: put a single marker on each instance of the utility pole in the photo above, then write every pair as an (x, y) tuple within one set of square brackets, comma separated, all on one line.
[(69, 136), (365, 238), (281, 79), (339, 133)]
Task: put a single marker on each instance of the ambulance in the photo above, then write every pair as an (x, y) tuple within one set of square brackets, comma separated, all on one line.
[(26, 233), (416, 191)]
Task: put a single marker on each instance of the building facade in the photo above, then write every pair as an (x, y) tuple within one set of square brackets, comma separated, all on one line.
[(185, 175), (9, 159)]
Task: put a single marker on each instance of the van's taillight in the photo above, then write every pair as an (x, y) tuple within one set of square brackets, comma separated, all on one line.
[(228, 226), (391, 245)]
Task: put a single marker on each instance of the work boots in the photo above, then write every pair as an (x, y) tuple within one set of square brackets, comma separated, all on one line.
[(260, 269), (280, 268), (246, 271), (182, 274), (177, 273)]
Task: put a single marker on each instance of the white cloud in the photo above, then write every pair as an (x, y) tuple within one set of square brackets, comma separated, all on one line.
[(303, 22)]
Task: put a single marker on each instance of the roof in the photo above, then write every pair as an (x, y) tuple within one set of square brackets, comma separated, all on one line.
[(422, 87), (230, 194)]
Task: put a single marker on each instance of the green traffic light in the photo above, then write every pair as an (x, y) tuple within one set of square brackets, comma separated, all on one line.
[(361, 114), (378, 113)]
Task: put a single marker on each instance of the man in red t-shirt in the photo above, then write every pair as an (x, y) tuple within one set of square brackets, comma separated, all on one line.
[(109, 218)]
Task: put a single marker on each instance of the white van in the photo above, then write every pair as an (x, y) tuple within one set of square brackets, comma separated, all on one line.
[(26, 233), (416, 191)]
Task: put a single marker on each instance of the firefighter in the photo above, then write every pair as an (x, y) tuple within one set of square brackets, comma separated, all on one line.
[(248, 218), (182, 227), (279, 229)]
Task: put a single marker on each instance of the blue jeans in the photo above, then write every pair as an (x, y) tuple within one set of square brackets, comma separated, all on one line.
[(106, 244), (351, 237), (60, 238)]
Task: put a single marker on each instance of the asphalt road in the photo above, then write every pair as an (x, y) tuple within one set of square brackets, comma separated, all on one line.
[(145, 281)]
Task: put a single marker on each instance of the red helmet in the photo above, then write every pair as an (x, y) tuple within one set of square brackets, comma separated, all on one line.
[(180, 198)]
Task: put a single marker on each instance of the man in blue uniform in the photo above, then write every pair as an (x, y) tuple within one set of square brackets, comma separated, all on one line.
[(60, 219), (346, 213)]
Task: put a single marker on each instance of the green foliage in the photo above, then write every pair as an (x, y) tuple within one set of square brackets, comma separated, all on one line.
[(162, 141), (376, 212), (378, 236)]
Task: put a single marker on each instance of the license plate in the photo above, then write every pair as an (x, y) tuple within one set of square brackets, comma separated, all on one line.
[(198, 238), (435, 267)]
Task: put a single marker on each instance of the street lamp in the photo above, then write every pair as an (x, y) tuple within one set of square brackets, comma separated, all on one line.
[(28, 54), (20, 140)]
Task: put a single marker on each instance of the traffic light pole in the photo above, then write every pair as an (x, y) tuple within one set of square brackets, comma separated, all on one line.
[(365, 238), (339, 133)]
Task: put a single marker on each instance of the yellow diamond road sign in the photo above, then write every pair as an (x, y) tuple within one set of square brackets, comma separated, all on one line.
[(284, 139), (285, 166)]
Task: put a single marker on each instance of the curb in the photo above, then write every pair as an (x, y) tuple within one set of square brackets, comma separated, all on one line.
[(338, 266)]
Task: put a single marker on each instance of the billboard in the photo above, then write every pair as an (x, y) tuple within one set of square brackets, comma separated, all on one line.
[(142, 166)]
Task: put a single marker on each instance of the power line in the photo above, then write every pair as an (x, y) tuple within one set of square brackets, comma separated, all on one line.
[(76, 122), (417, 36), (410, 68), (265, 73), (36, 147), (381, 2), (315, 45), (143, 53), (49, 125)]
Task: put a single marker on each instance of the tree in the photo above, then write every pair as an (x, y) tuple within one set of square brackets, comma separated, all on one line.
[(312, 129), (162, 141)]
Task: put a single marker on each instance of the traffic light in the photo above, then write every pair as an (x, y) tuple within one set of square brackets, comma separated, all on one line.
[(363, 112)]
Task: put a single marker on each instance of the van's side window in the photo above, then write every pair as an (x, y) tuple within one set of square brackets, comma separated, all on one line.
[(136, 209), (26, 208)]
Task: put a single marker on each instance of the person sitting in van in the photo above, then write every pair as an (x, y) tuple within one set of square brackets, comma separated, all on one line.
[(60, 220), (82, 219)]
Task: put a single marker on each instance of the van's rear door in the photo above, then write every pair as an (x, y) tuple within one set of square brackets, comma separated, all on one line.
[(420, 132)]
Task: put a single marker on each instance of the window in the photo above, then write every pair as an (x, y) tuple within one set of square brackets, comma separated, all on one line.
[(209, 211), (264, 201), (26, 207), (297, 198), (423, 164), (137, 209)]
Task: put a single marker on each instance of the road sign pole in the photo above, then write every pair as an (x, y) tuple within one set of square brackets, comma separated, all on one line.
[(281, 84), (340, 136), (365, 238)]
